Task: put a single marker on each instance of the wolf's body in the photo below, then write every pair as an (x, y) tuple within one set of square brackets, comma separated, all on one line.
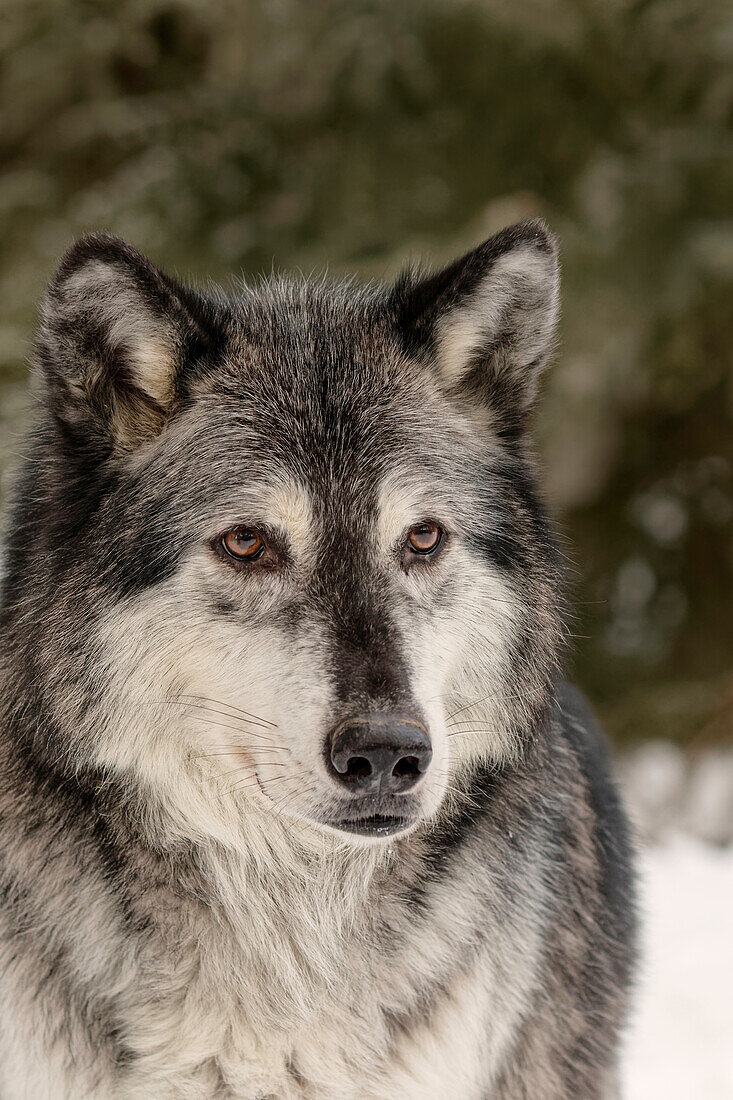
[(187, 909)]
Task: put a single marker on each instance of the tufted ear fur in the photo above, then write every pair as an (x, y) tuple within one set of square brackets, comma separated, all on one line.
[(487, 321), (114, 335)]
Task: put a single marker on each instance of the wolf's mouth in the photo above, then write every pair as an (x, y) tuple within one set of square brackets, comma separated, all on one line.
[(373, 825)]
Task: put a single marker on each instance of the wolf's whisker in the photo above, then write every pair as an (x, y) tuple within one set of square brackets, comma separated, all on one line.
[(238, 771), (475, 729), (222, 750), (290, 798), (265, 763), (246, 783), (484, 698), (230, 706), (214, 710), (466, 723), (234, 729), (468, 706), (241, 748), (249, 783), (225, 752), (287, 823), (244, 723), (459, 793)]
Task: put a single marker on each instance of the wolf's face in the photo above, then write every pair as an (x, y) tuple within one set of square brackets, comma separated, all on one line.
[(290, 540)]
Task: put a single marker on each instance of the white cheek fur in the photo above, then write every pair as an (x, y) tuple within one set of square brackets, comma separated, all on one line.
[(236, 699)]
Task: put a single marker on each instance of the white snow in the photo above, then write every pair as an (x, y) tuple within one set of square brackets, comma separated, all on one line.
[(668, 789), (680, 1044)]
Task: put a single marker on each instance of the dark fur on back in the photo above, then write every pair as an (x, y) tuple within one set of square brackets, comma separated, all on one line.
[(182, 915)]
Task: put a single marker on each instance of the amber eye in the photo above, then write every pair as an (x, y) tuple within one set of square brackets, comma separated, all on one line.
[(424, 538), (243, 543)]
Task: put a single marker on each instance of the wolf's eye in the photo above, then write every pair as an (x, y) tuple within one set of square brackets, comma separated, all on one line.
[(424, 538), (243, 543)]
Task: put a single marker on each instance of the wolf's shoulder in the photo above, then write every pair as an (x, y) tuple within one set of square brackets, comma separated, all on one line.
[(582, 732)]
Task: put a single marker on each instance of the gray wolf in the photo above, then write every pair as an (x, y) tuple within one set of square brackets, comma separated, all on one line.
[(295, 801)]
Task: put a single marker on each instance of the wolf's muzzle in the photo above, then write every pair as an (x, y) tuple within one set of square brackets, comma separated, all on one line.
[(379, 754)]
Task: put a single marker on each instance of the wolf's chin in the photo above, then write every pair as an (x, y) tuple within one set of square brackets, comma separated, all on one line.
[(374, 827)]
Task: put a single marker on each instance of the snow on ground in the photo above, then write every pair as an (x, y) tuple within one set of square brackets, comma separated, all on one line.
[(680, 1045)]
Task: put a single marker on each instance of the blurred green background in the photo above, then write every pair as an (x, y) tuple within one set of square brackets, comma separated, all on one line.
[(224, 137)]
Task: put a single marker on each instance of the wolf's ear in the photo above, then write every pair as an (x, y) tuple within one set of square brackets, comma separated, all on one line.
[(114, 334), (487, 321)]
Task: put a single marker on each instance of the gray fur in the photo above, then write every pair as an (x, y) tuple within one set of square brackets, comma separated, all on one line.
[(180, 915)]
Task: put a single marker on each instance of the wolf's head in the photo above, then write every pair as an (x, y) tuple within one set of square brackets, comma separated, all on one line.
[(285, 548)]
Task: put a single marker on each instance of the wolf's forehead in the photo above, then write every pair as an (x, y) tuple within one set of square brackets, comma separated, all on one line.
[(320, 412), (371, 468), (310, 513), (289, 505), (304, 459), (305, 328), (339, 410)]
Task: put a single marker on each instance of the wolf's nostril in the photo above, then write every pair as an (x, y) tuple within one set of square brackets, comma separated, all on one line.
[(407, 766), (358, 767)]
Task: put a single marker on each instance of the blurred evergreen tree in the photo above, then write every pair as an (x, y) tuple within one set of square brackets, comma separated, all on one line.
[(230, 136)]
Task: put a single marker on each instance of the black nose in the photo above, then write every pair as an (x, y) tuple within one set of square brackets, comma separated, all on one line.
[(381, 752)]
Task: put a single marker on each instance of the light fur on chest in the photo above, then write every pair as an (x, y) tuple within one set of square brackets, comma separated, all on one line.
[(301, 974), (326, 990)]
